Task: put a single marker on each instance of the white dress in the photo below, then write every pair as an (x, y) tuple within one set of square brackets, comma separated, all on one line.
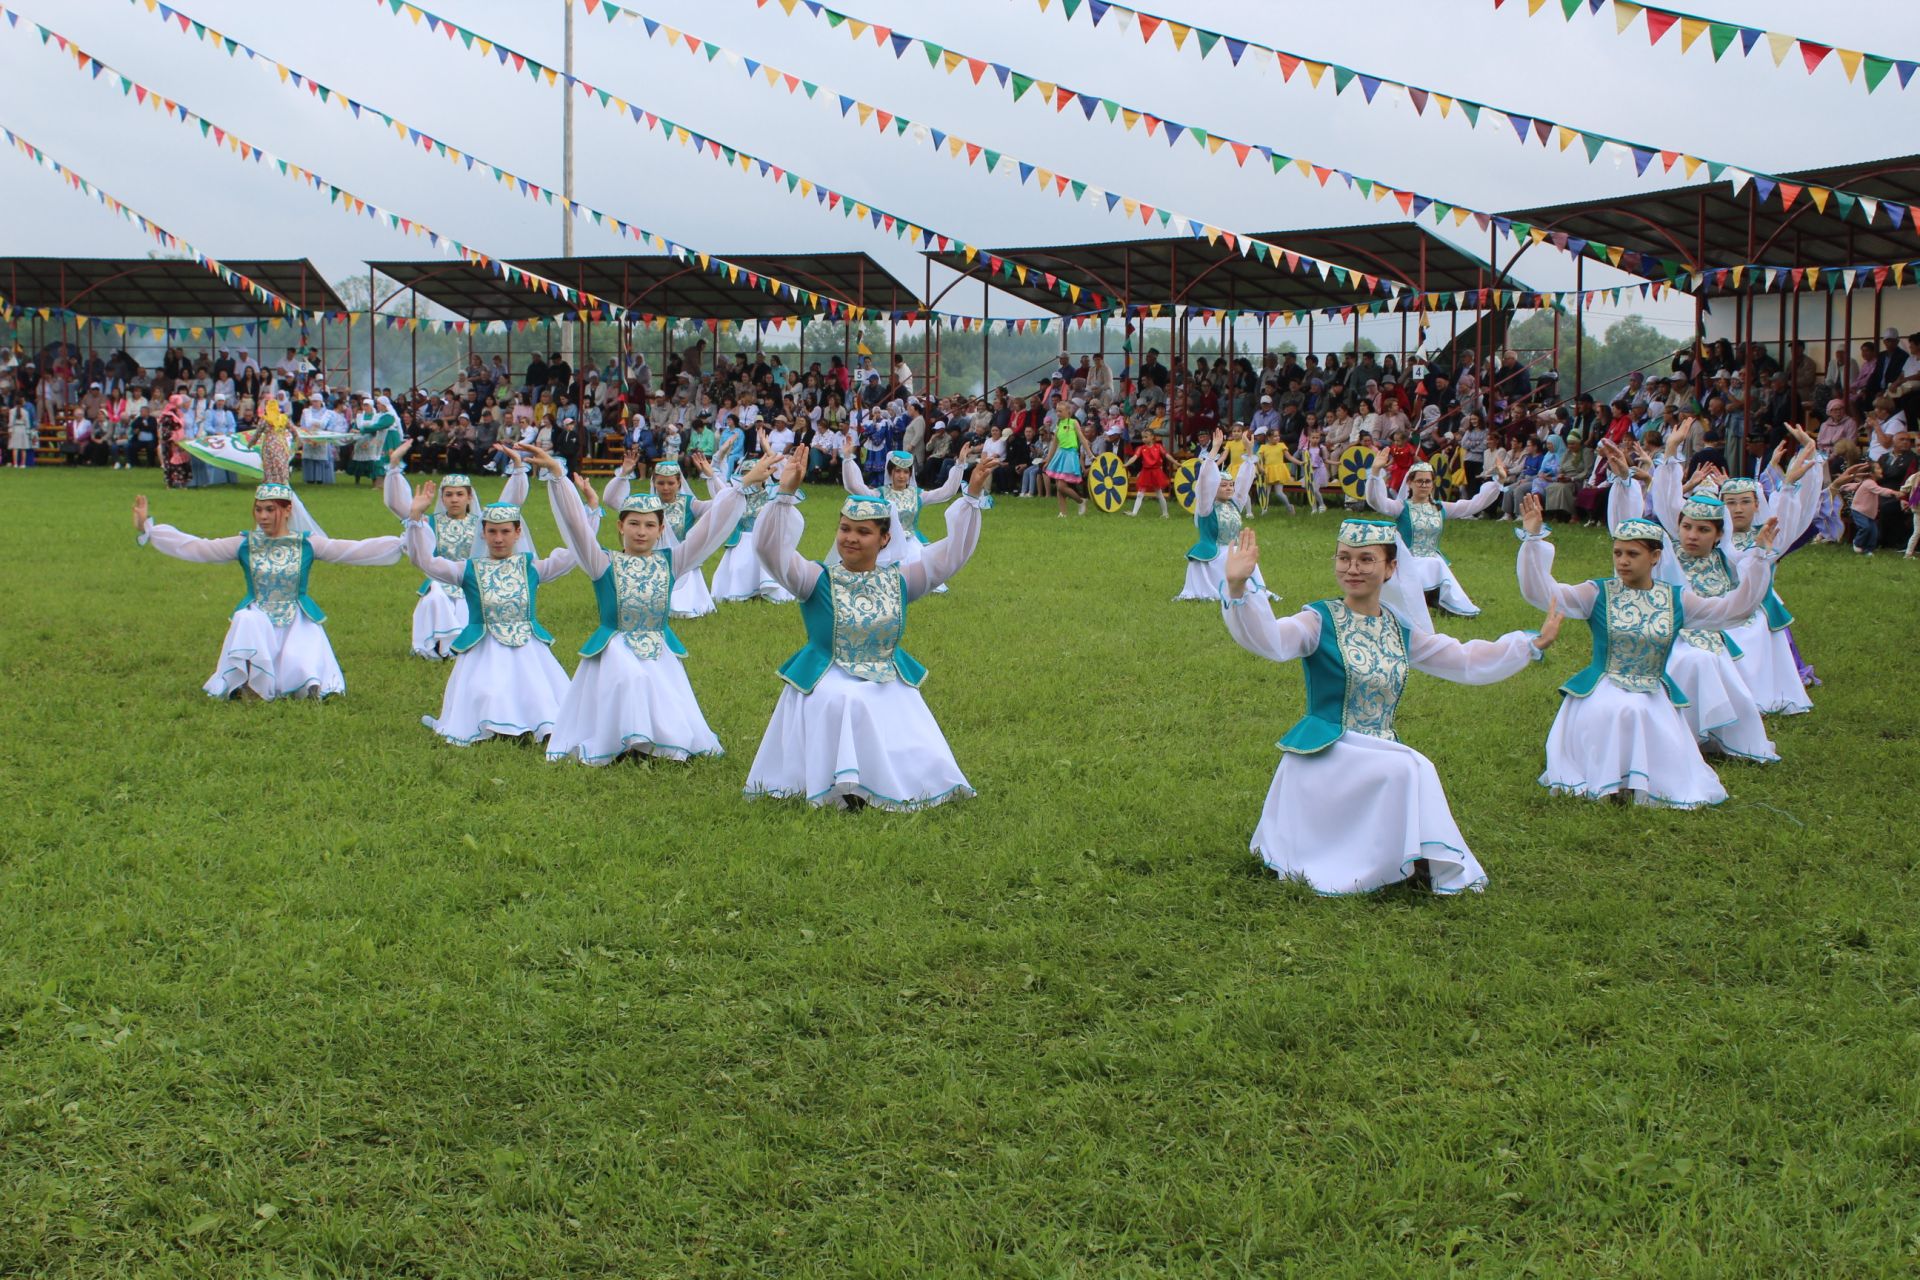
[(1766, 654), (1418, 564), (505, 683), (740, 575), (905, 542), (691, 599), (1618, 729), (1719, 709), (1353, 812), (861, 730), (1218, 526), (275, 643), (440, 615), (630, 693)]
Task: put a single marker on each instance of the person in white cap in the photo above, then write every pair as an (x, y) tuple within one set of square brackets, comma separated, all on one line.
[(275, 645)]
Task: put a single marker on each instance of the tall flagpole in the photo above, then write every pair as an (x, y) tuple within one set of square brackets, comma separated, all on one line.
[(568, 337)]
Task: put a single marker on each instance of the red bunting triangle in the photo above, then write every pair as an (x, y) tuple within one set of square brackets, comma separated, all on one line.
[(1148, 25), (1659, 22), (1813, 54)]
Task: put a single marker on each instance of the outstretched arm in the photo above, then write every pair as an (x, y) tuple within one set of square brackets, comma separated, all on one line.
[(851, 478), (1377, 496), (1535, 569), (360, 551), (393, 489), (776, 535), (1625, 500), (1243, 481), (1206, 486), (1466, 508), (577, 529), (169, 541), (417, 540), (1755, 570), (717, 523), (948, 556), (955, 474), (1481, 661)]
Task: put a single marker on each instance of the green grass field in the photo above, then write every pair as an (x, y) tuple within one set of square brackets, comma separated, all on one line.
[(293, 989)]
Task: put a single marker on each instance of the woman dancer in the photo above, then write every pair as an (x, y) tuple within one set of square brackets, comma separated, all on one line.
[(1717, 707), (1421, 523), (275, 646), (504, 682), (740, 575), (905, 542), (1151, 458), (630, 696), (1767, 660), (1219, 508), (1063, 464), (1619, 731), (441, 613), (850, 729), (691, 599), (1351, 809)]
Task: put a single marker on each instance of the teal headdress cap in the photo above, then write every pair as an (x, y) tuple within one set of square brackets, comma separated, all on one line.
[(857, 507), (500, 513), (1639, 529), (1367, 533), (272, 493), (643, 504)]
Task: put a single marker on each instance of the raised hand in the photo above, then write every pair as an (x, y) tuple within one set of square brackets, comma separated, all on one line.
[(587, 494), (423, 498), (140, 514), (792, 471), (1532, 517), (1243, 559), (982, 471), (763, 466), (1768, 532), (1677, 436), (629, 461), (399, 452), (541, 458), (1549, 628)]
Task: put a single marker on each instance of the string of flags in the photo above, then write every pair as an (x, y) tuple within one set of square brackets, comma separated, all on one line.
[(1860, 67), (1093, 108)]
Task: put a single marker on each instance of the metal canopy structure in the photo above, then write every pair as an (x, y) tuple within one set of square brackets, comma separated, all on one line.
[(1712, 225), (655, 285), (1213, 276), (161, 288)]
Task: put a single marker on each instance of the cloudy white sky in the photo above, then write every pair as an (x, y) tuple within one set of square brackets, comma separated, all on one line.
[(1581, 73)]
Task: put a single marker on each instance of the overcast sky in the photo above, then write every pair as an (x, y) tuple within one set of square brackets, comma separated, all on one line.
[(1745, 111)]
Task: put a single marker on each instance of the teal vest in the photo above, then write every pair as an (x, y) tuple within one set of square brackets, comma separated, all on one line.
[(276, 571), (854, 621), (634, 597), (1328, 687), (1421, 542), (452, 540), (1709, 575), (678, 514), (757, 499), (1631, 642), (906, 504), (1222, 525), (501, 603)]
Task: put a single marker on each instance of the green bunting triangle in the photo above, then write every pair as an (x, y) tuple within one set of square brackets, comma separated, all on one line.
[(1593, 143), (1070, 6), (1207, 39), (1440, 212), (835, 19), (993, 158), (1113, 109), (1877, 68), (1199, 135), (1722, 37), (933, 52), (1473, 112), (1569, 7), (466, 37), (1079, 189), (1342, 77), (1020, 85), (810, 88)]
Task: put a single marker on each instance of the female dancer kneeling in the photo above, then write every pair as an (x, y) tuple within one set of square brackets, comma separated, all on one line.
[(851, 728), (504, 682), (1421, 521), (691, 598), (1219, 508), (630, 696), (1350, 808), (275, 645), (441, 613), (1619, 730), (740, 575), (905, 542)]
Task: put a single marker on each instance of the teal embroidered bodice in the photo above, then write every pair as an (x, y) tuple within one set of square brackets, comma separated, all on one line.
[(453, 539), (1633, 632), (1228, 522), (757, 499), (855, 622), (1421, 524), (502, 602), (679, 515), (1355, 676), (643, 593), (906, 505), (1708, 575), (276, 570)]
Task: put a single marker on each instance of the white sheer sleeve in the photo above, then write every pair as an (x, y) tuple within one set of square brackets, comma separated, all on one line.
[(1717, 613), (169, 541), (1251, 623), (1539, 589), (558, 565), (417, 540), (1243, 481), (1467, 508), (519, 481), (578, 529), (776, 537), (1626, 502), (394, 491), (1206, 485), (1472, 661), (360, 551), (948, 556), (1797, 503), (1379, 499), (1668, 498), (949, 489), (617, 489), (714, 526), (851, 479)]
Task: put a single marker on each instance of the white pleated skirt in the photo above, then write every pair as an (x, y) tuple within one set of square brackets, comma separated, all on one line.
[(1357, 816), (690, 597), (495, 691), (855, 738), (1425, 573), (1719, 709), (438, 619), (618, 703), (741, 576), (1205, 578), (294, 661), (1767, 666), (1615, 741)]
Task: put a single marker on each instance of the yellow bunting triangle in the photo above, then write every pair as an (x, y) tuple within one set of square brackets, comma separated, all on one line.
[(1690, 30), (1781, 44), (1849, 60), (1624, 14)]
